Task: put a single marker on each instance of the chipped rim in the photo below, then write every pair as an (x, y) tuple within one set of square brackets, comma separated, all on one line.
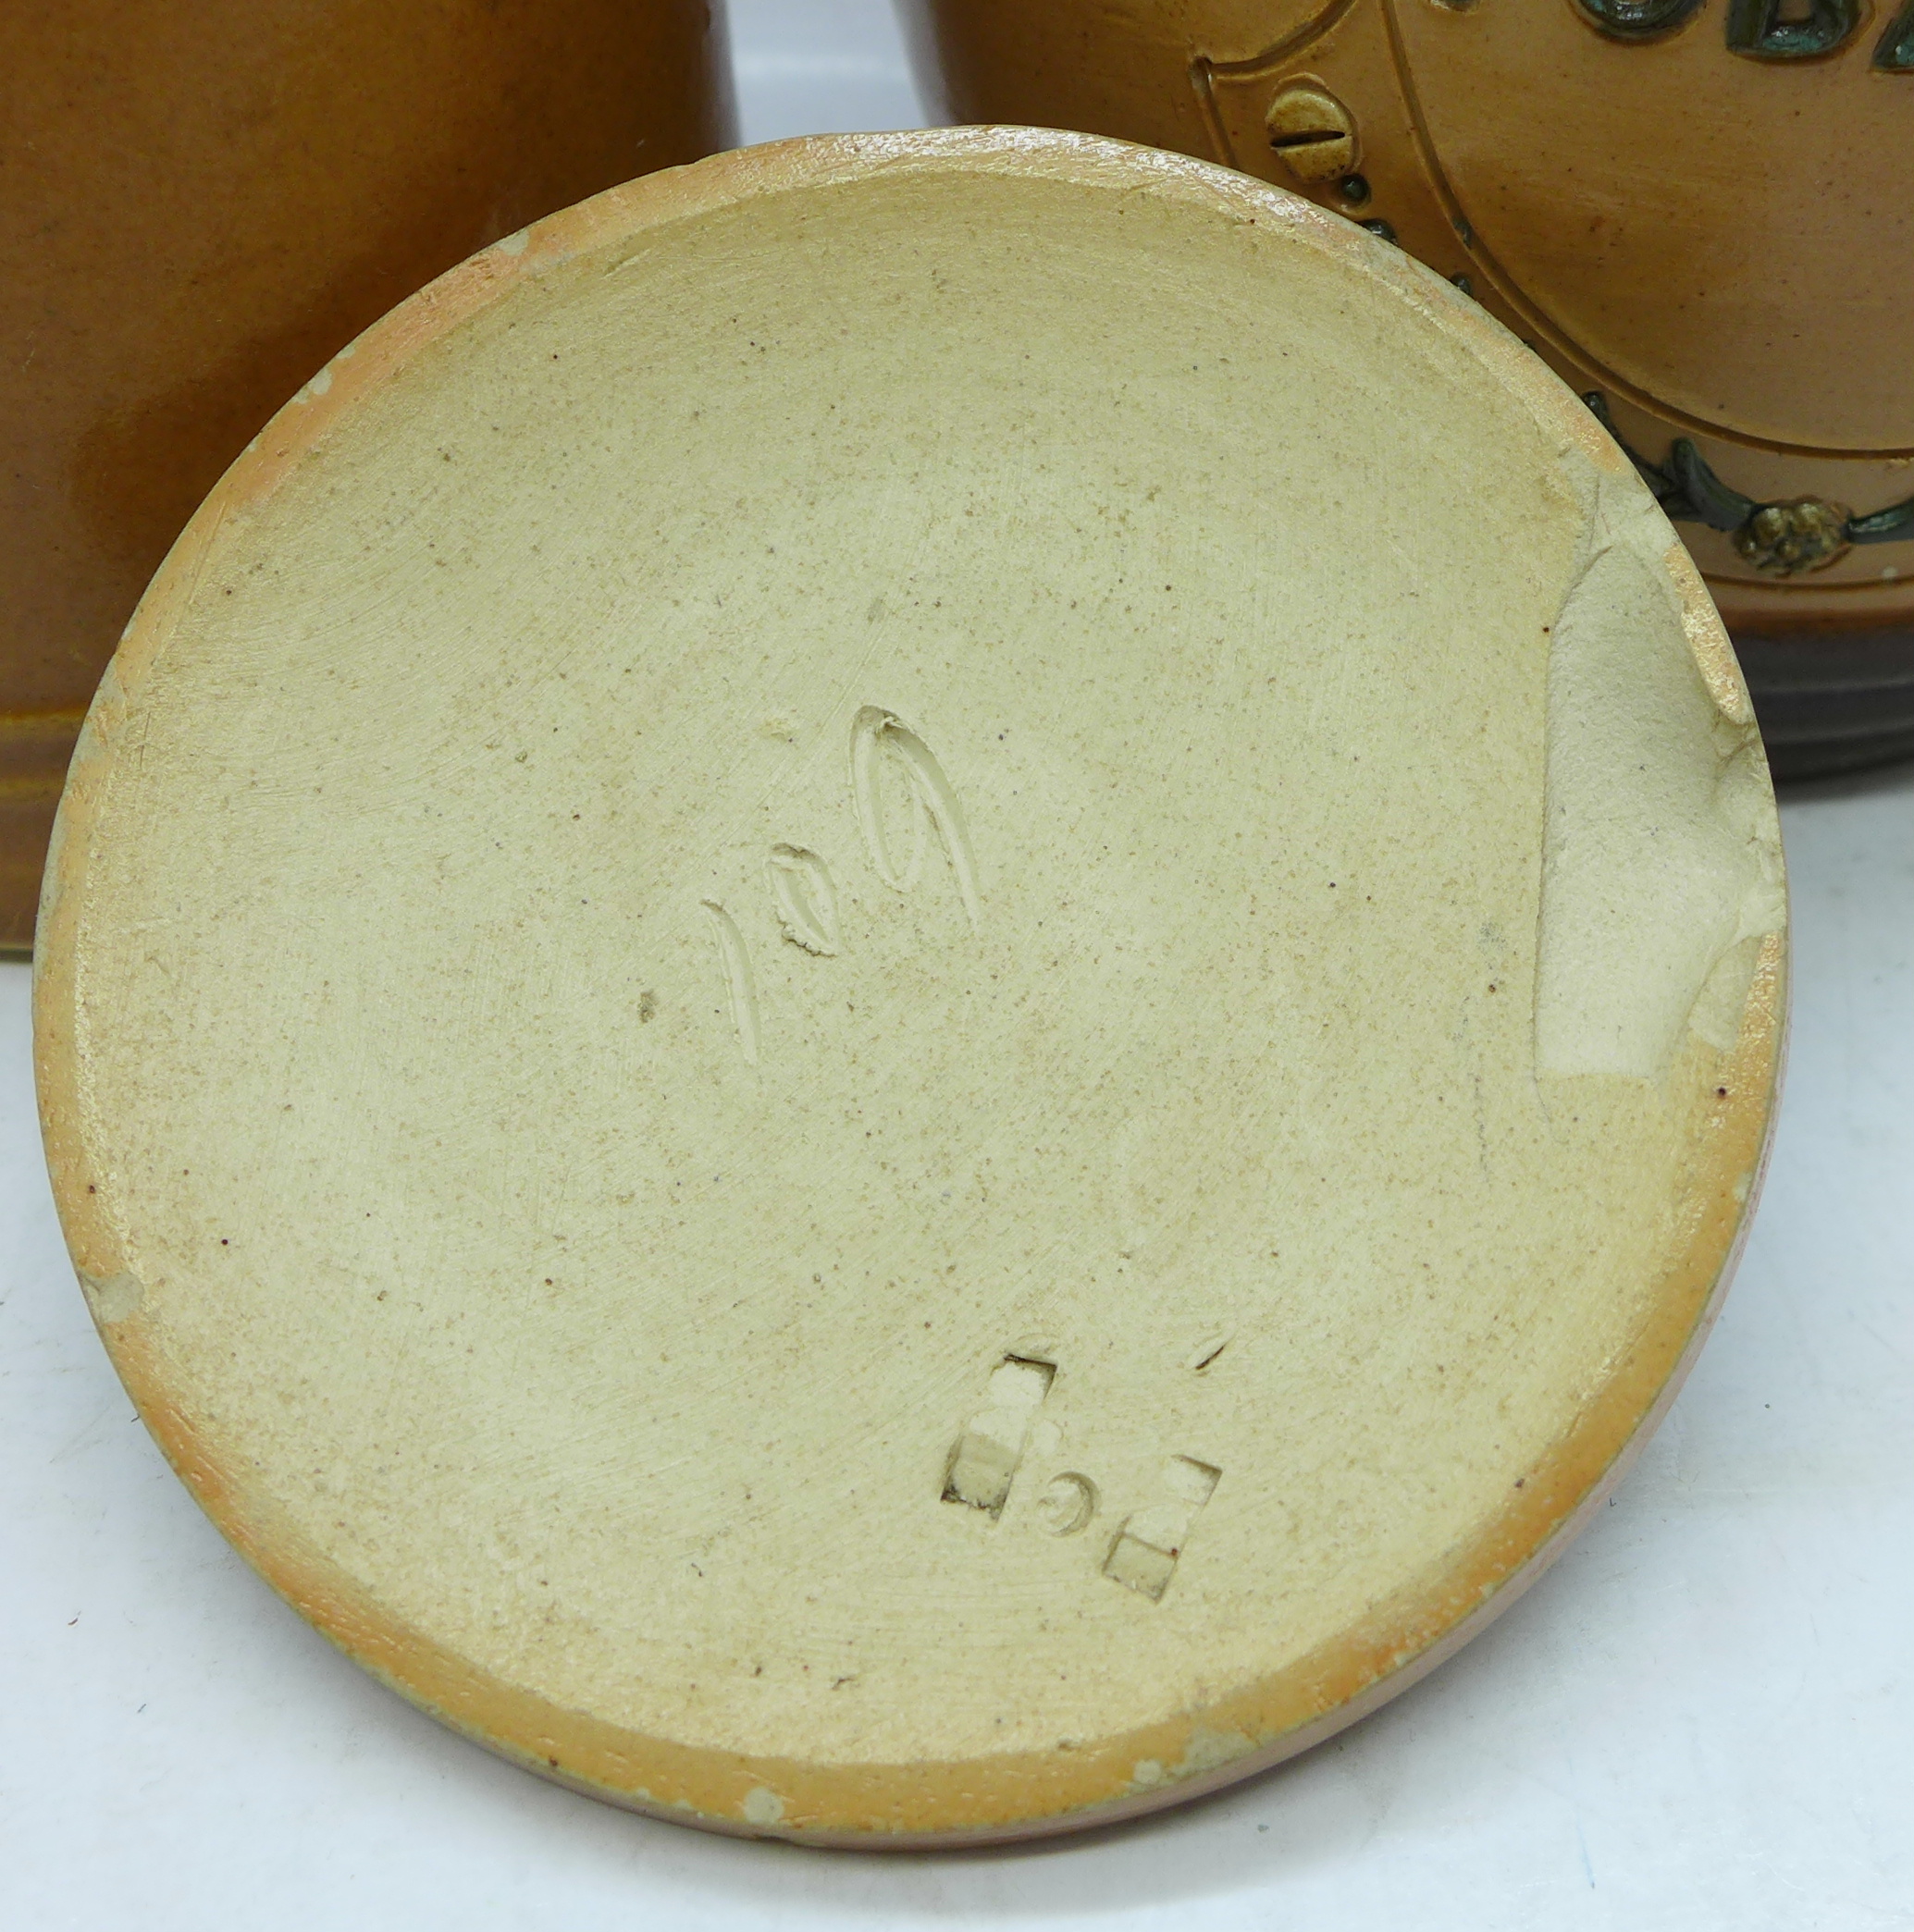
[(992, 1799)]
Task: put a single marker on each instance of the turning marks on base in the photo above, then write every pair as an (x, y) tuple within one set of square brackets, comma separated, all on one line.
[(806, 899), (984, 1462), (1145, 1554)]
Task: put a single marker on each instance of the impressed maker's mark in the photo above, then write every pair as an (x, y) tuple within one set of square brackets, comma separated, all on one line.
[(735, 961), (1145, 1552), (807, 900), (886, 757), (985, 1460), (879, 737), (996, 1441)]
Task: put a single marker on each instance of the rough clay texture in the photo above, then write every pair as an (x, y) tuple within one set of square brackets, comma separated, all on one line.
[(1662, 872), (842, 779)]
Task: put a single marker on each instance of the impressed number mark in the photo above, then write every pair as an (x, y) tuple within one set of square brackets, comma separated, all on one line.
[(884, 754)]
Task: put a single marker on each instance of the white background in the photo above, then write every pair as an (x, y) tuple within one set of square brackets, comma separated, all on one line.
[(1703, 1718)]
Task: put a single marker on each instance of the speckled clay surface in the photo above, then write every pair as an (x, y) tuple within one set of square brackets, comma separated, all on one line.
[(806, 1069)]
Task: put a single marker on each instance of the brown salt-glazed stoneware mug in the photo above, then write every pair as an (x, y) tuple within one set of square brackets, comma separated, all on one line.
[(1697, 211), (199, 205)]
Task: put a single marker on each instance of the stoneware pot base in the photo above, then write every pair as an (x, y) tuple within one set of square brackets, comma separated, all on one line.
[(822, 1068)]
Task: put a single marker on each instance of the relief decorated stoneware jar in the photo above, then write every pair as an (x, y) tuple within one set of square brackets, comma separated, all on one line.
[(1701, 213), (199, 204)]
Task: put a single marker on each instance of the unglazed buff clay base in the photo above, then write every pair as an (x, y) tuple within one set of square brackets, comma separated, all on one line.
[(913, 988)]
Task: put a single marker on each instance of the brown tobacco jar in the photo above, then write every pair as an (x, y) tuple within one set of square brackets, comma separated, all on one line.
[(1697, 211), (201, 202)]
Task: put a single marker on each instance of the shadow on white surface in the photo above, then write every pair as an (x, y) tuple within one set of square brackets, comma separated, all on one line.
[(823, 66)]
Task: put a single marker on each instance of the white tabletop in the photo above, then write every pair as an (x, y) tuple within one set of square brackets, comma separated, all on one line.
[(1702, 1718)]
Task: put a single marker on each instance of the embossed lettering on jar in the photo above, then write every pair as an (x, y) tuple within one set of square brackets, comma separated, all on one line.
[(1694, 209)]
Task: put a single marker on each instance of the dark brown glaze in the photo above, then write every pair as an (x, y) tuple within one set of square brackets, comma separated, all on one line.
[(200, 204)]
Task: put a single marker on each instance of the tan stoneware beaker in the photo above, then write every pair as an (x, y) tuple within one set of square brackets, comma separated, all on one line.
[(1697, 211), (201, 203)]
